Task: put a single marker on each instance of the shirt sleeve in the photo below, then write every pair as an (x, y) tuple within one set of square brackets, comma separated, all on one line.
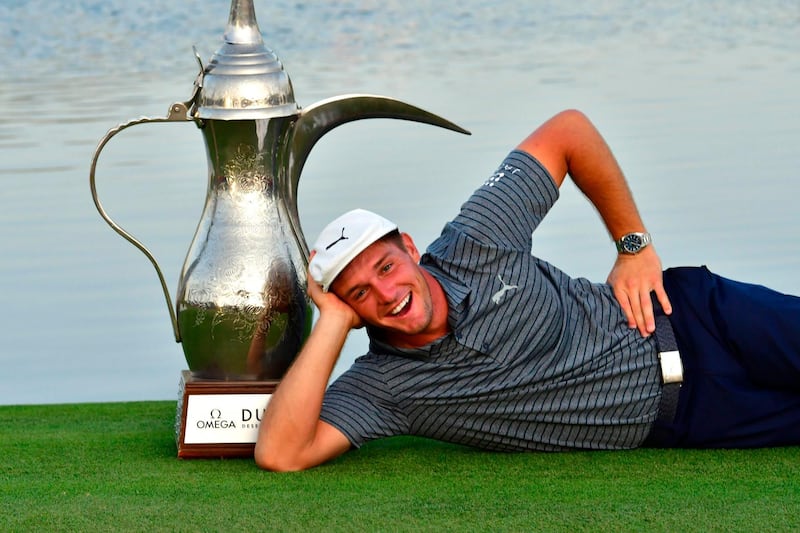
[(359, 404), (510, 204)]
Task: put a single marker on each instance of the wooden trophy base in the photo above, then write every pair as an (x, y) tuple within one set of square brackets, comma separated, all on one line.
[(217, 418)]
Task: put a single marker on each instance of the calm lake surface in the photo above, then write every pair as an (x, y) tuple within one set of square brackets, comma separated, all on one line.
[(699, 101)]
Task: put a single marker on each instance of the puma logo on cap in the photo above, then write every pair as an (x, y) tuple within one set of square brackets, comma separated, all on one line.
[(342, 238)]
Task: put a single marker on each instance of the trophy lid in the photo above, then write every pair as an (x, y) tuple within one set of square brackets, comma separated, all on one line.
[(244, 79)]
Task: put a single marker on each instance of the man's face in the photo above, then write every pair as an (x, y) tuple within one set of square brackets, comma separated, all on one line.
[(387, 288)]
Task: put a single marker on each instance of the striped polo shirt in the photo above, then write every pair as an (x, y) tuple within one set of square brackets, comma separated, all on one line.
[(536, 360)]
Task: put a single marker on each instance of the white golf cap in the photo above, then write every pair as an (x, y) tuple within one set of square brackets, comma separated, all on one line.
[(342, 240)]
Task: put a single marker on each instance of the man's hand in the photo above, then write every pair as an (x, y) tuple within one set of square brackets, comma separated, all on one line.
[(331, 305), (633, 278)]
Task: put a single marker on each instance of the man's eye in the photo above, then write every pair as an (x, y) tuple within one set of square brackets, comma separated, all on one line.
[(387, 267), (360, 294)]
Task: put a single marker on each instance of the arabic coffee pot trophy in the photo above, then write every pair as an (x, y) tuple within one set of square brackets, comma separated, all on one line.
[(242, 312)]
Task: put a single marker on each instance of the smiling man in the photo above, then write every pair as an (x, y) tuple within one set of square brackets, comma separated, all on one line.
[(482, 343)]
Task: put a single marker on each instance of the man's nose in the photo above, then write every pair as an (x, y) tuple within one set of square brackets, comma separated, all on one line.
[(384, 291)]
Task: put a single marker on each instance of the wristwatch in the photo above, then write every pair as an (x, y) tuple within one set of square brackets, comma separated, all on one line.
[(633, 243)]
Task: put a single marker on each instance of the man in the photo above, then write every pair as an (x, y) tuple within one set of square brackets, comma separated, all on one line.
[(481, 343)]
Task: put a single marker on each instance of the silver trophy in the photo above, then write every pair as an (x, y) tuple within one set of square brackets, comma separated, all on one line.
[(242, 312)]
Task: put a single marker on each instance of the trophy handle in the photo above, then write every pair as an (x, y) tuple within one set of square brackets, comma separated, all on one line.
[(177, 112)]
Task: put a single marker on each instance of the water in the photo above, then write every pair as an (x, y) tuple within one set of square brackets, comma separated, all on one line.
[(699, 101)]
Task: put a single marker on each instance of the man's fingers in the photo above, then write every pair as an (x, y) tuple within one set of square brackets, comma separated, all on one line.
[(638, 310), (624, 303), (647, 324), (638, 313), (663, 299)]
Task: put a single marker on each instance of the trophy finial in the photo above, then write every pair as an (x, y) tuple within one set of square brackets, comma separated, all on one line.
[(244, 79), (242, 25)]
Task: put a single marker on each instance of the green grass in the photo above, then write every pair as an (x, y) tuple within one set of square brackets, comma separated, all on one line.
[(113, 467)]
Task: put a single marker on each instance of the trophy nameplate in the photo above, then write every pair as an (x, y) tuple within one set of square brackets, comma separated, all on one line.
[(219, 418)]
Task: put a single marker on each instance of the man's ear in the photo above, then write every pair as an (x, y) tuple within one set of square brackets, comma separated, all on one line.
[(408, 242)]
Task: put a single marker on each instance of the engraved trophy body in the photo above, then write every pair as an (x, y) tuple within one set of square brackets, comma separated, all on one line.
[(241, 312)]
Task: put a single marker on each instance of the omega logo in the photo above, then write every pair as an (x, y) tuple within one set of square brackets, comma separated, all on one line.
[(215, 421)]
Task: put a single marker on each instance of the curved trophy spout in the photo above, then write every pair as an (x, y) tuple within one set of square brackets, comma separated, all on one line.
[(321, 117)]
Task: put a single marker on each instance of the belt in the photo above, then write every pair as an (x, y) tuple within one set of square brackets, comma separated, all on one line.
[(671, 366)]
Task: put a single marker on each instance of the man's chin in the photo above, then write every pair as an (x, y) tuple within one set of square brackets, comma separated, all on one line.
[(389, 333)]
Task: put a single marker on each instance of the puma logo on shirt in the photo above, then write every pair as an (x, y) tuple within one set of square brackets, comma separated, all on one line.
[(498, 296)]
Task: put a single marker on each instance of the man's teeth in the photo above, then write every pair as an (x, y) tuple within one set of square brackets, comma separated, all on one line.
[(402, 304)]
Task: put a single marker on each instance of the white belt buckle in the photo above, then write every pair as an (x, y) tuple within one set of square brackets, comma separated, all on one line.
[(671, 366)]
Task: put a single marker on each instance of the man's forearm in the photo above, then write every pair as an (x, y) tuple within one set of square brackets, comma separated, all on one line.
[(292, 415), (597, 174)]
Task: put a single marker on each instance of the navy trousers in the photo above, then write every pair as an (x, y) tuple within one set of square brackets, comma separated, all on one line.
[(740, 345)]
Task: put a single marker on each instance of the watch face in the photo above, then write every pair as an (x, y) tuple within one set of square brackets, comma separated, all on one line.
[(632, 243)]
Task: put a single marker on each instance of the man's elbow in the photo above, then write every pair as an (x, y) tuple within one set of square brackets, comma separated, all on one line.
[(273, 461), (283, 453)]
